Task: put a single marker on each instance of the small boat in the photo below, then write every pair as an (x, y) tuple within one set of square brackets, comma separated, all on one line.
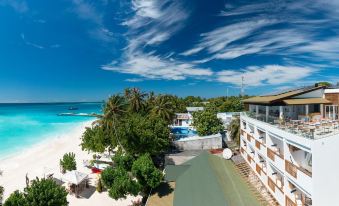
[(73, 108)]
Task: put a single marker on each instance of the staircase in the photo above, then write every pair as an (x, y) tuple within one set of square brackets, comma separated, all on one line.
[(254, 183)]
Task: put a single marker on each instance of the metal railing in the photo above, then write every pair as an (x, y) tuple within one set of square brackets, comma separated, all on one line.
[(323, 129)]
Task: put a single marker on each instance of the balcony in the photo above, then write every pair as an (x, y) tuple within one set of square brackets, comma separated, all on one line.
[(300, 161), (302, 126), (295, 197)]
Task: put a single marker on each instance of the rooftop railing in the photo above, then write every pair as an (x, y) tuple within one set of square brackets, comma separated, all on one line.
[(311, 130)]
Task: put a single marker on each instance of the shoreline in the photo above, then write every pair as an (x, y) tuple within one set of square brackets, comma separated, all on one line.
[(43, 142), (45, 157), (23, 162)]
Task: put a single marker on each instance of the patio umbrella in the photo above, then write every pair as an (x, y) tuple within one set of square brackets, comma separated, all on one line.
[(74, 177)]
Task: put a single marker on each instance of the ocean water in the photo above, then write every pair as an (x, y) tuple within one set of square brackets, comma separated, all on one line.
[(23, 125)]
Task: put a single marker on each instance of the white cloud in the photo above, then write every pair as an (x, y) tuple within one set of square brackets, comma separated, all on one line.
[(155, 67), (266, 75), (19, 6), (289, 29), (220, 38), (153, 23), (87, 11), (30, 43), (134, 80)]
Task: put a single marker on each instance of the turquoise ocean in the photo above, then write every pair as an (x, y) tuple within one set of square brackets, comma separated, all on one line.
[(24, 125)]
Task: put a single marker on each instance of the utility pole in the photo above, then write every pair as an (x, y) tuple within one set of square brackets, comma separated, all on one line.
[(242, 86)]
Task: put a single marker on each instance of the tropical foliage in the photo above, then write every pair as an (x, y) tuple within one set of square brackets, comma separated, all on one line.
[(234, 130), (42, 192), (207, 123), (136, 123), (68, 163), (1, 193)]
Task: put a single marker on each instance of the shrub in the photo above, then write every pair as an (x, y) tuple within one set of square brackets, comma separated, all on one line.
[(41, 192), (68, 163)]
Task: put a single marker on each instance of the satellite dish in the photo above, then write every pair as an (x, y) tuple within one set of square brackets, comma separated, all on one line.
[(227, 153)]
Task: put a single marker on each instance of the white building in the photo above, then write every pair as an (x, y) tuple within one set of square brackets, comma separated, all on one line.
[(291, 141), (227, 117), (186, 119)]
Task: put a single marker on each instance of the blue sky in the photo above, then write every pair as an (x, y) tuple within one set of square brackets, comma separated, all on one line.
[(82, 50)]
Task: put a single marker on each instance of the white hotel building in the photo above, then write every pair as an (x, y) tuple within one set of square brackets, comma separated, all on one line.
[(291, 141)]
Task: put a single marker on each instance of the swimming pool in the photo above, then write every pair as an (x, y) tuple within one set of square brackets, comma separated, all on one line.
[(182, 132)]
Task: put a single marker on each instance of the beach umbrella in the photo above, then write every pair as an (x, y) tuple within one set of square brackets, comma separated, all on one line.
[(74, 177)]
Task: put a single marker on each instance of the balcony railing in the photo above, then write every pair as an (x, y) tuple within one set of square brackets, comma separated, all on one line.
[(249, 158), (258, 169), (249, 137), (289, 202), (271, 184), (270, 154), (310, 130), (291, 169), (257, 144)]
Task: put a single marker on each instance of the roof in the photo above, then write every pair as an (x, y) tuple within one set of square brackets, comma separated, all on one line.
[(74, 177), (269, 99), (306, 101), (211, 180), (163, 196), (194, 109), (174, 171)]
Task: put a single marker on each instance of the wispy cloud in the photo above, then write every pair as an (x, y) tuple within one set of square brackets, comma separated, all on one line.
[(289, 29), (19, 6), (218, 39), (134, 80), (152, 24), (266, 75), (87, 11), (303, 36), (154, 67), (30, 43)]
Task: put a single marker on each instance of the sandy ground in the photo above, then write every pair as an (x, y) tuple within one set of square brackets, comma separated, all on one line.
[(37, 160)]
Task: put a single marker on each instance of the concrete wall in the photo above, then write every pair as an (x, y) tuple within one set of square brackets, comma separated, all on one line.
[(325, 171), (199, 143)]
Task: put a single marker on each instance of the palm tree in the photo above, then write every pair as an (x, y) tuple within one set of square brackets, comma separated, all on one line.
[(163, 108), (115, 107), (234, 130), (136, 99)]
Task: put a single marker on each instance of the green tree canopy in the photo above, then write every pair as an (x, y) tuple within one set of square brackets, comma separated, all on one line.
[(164, 108), (95, 139), (16, 199), (207, 123), (143, 134), (145, 171), (124, 160), (68, 162), (42, 192), (123, 184)]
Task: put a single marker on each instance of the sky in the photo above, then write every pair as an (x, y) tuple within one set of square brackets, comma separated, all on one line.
[(86, 50)]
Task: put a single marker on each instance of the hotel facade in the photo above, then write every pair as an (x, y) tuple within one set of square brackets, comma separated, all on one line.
[(291, 142)]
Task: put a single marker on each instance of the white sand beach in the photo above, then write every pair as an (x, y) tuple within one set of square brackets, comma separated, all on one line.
[(33, 161)]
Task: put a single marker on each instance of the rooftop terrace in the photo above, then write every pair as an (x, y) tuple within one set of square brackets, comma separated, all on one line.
[(302, 127)]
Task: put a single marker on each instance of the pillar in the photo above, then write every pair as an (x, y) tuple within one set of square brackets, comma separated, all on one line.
[(256, 110), (306, 109), (267, 111), (322, 110), (281, 112)]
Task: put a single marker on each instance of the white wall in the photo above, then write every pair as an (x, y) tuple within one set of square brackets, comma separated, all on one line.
[(326, 171)]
